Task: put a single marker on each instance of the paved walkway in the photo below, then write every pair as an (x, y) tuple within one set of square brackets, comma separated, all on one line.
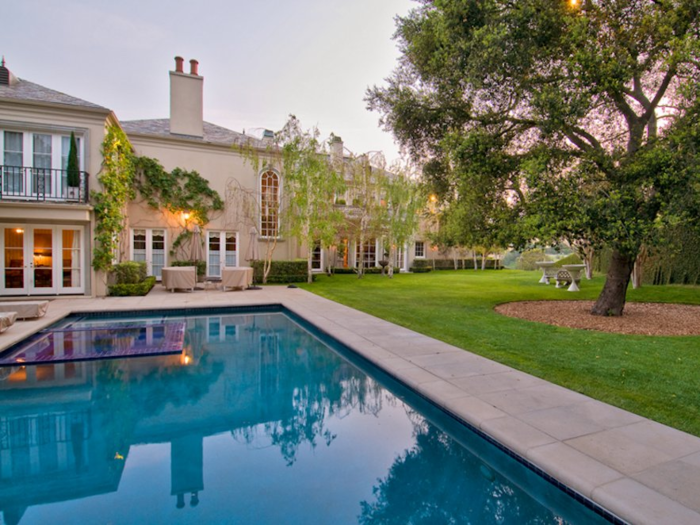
[(643, 472)]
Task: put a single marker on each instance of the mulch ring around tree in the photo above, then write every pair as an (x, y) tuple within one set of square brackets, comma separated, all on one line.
[(638, 318)]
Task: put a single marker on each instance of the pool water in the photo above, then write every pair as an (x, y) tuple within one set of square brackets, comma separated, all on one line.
[(258, 420)]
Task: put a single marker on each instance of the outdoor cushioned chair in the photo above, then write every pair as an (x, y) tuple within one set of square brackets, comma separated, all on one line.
[(7, 319)]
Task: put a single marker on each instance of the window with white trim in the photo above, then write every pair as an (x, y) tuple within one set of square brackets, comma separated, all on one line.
[(368, 255), (419, 250)]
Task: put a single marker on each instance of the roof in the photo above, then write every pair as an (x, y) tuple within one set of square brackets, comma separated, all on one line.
[(29, 91), (213, 134)]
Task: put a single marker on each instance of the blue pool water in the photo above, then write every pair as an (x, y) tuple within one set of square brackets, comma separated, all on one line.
[(258, 420)]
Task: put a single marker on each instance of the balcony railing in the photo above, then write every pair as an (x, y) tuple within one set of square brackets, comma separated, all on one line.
[(41, 184)]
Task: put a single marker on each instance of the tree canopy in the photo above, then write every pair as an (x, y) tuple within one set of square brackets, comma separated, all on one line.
[(546, 119)]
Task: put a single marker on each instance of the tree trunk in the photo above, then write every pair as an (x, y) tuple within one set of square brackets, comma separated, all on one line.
[(309, 268), (361, 263), (638, 269), (588, 254), (392, 257), (611, 301)]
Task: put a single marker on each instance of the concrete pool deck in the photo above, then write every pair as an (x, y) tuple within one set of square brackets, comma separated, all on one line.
[(641, 471)]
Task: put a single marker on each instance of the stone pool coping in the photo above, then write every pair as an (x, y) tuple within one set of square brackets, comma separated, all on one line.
[(639, 470)]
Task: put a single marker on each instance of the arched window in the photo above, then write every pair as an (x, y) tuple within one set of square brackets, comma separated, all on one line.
[(269, 204)]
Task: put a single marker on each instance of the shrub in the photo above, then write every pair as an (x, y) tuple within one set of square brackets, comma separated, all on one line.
[(133, 289), (510, 260), (528, 259), (569, 259), (341, 270), (129, 272), (201, 266), (282, 272), (421, 266), (449, 264)]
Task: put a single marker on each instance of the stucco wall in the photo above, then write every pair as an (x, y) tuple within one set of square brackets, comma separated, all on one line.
[(220, 165), (88, 124)]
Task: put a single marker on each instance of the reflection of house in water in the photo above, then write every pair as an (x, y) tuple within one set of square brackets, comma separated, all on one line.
[(49, 450), (66, 429)]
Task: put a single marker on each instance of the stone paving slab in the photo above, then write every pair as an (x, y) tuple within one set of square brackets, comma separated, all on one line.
[(641, 471)]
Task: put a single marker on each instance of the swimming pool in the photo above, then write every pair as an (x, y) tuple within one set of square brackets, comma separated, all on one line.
[(259, 419)]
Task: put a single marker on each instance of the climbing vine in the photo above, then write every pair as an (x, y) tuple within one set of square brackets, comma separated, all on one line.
[(124, 175), (117, 181), (176, 191)]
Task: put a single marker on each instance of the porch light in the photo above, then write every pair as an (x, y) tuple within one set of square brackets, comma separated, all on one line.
[(185, 216), (19, 230)]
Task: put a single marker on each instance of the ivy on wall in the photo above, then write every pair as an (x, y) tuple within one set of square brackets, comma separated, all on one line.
[(117, 181), (124, 175), (176, 191)]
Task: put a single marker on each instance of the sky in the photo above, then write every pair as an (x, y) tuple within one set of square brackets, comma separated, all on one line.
[(261, 60)]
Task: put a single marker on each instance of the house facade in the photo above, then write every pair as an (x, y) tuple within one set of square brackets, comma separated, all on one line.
[(186, 141), (47, 225)]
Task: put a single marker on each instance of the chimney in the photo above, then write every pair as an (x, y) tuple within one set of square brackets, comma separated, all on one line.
[(186, 100), (6, 76), (337, 150)]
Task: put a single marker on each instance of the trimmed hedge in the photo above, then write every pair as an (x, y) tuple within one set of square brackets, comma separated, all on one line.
[(372, 270), (282, 272), (201, 266), (423, 265), (129, 272), (132, 289)]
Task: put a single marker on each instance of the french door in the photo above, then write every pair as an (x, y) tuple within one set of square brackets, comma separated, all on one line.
[(148, 245), (42, 260), (222, 250), (317, 257)]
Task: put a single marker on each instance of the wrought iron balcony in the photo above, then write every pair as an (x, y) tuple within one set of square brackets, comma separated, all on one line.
[(41, 185)]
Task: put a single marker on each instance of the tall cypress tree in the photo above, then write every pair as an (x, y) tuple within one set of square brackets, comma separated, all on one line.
[(73, 168)]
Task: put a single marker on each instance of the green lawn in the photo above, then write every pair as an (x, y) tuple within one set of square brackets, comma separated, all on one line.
[(656, 377)]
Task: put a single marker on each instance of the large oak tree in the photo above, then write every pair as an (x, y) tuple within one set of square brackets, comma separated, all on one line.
[(570, 118)]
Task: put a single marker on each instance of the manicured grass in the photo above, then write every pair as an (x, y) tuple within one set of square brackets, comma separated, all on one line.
[(656, 377)]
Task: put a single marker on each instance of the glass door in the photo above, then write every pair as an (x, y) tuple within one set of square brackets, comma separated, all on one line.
[(13, 261), (42, 260), (71, 267), (222, 251), (317, 257), (148, 245)]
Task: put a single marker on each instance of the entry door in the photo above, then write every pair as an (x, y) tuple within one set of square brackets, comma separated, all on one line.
[(148, 245), (41, 260), (317, 258), (222, 250)]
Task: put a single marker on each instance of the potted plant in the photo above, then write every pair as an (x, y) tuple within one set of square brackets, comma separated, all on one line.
[(73, 169)]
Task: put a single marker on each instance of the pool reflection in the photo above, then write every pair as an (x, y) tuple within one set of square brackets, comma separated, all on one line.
[(245, 385)]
